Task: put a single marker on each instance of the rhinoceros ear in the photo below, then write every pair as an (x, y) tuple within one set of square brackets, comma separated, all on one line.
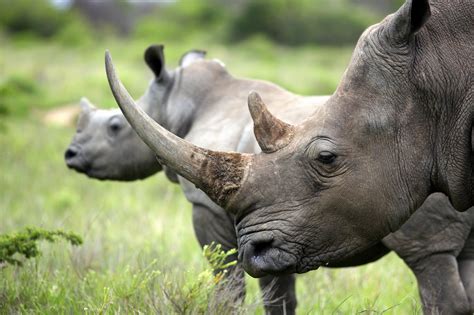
[(155, 59), (408, 20), (86, 105), (191, 56), (271, 133)]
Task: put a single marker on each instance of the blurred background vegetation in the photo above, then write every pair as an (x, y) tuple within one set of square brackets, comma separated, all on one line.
[(81, 25), (139, 252)]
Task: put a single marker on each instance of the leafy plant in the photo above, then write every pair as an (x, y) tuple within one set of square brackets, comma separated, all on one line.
[(218, 260), (210, 291), (25, 243)]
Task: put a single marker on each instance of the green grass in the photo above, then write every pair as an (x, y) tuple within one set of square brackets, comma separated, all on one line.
[(139, 252)]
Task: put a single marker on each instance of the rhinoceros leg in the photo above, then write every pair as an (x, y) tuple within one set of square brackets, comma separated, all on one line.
[(429, 244), (440, 286), (466, 268), (279, 296)]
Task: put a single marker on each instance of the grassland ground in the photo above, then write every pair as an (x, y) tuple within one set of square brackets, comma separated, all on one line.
[(139, 253)]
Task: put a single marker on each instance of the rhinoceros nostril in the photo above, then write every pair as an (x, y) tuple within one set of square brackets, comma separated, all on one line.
[(260, 246), (70, 153)]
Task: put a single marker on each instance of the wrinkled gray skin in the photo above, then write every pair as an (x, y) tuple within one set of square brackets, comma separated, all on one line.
[(397, 129), (417, 247)]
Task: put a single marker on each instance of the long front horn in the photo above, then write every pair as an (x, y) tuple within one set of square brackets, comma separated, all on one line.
[(271, 133), (218, 174)]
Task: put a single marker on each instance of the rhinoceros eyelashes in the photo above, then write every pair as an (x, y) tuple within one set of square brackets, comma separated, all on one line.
[(271, 133)]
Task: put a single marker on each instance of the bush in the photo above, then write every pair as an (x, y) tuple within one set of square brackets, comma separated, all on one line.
[(209, 292), (37, 17), (318, 22), (25, 243)]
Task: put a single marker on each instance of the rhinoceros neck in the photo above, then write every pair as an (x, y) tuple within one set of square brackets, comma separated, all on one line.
[(444, 64)]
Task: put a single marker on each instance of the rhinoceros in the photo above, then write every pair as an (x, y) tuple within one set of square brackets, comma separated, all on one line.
[(397, 128), (435, 240)]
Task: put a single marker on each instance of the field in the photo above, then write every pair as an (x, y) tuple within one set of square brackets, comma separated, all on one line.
[(139, 253)]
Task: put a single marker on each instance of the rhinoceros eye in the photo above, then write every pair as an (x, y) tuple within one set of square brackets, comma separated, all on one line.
[(326, 157), (114, 126)]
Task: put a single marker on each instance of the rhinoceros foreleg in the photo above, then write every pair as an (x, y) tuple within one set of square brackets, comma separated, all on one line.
[(279, 296), (440, 286), (429, 243), (466, 268)]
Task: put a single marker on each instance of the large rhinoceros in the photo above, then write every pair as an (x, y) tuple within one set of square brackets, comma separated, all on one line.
[(398, 128), (434, 238)]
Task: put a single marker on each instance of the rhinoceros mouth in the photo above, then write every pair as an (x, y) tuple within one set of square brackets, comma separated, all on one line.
[(272, 261)]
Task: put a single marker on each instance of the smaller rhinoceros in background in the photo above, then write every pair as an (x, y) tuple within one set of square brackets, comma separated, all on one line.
[(105, 147), (201, 102)]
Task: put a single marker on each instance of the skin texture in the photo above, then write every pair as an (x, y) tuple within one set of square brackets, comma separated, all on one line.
[(212, 224), (397, 129)]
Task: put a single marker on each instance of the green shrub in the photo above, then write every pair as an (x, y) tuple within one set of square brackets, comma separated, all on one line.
[(209, 292), (25, 243), (28, 20), (37, 17)]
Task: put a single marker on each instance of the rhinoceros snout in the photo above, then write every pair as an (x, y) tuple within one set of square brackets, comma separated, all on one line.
[(260, 256), (75, 160), (70, 153)]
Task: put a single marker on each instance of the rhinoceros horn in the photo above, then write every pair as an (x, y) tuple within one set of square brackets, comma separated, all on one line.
[(218, 174), (271, 133)]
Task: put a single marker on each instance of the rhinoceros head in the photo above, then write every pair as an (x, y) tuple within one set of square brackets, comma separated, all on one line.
[(358, 167), (106, 147)]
